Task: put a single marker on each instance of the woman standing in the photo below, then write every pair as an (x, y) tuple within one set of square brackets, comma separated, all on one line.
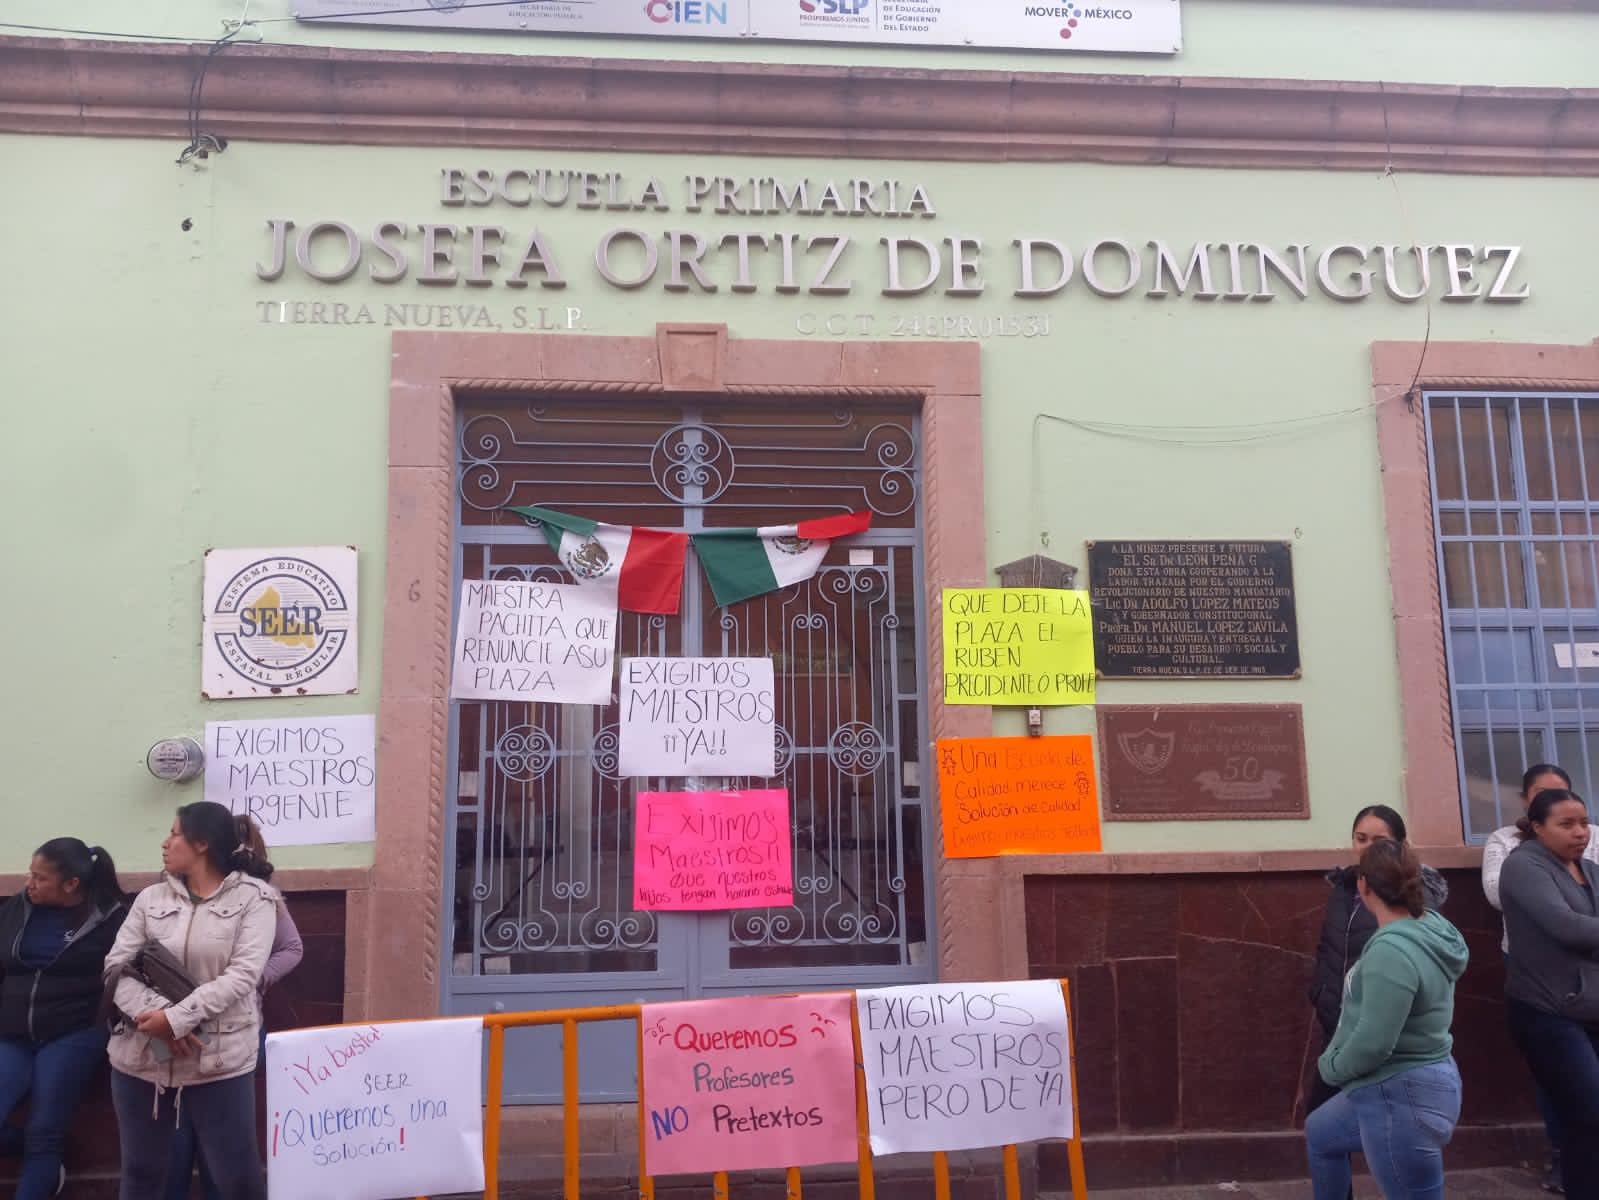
[(196, 1056), (54, 938), (287, 951), (1347, 925), (1548, 887), (1539, 777), (1391, 1054)]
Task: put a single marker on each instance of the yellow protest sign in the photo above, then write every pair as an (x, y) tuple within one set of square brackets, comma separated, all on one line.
[(1017, 646)]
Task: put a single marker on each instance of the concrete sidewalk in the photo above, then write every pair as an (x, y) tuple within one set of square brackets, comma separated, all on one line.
[(1498, 1183)]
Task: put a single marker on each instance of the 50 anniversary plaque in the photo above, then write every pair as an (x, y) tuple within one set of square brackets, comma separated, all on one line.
[(1203, 762), (1193, 610)]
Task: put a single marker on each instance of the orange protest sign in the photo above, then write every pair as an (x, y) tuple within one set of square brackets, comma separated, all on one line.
[(1018, 795)]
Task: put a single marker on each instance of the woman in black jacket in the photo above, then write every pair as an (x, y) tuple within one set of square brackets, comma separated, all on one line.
[(54, 937), (1347, 925)]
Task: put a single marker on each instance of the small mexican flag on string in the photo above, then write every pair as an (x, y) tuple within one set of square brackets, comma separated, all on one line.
[(644, 565), (741, 563)]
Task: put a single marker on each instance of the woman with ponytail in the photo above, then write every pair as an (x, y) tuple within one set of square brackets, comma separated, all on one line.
[(54, 938), (1346, 926), (193, 1057), (1540, 777), (287, 951), (1391, 1055), (1548, 887)]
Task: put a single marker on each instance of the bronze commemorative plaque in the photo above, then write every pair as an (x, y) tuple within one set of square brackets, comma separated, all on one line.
[(1195, 610), (1203, 762)]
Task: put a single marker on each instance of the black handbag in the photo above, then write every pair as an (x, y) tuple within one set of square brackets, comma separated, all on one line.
[(159, 969)]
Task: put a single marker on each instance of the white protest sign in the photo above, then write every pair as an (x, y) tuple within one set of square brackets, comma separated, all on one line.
[(550, 642), (375, 1112), (697, 716), (305, 780), (959, 1066)]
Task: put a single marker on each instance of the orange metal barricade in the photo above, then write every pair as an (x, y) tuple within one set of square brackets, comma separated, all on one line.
[(570, 1018)]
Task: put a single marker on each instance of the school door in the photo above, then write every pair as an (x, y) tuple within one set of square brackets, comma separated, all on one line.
[(540, 841)]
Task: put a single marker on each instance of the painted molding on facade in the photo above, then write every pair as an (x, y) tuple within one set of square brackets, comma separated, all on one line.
[(395, 930), (406, 98), (1431, 777)]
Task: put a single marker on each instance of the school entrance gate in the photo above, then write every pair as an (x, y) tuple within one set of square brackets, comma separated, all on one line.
[(538, 885)]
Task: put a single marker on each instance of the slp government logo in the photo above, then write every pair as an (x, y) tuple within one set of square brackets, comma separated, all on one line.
[(834, 12), (279, 621)]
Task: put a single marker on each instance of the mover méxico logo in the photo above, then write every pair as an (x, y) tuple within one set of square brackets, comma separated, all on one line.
[(687, 12), (1074, 14)]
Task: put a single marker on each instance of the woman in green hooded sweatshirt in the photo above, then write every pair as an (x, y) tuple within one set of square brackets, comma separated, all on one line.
[(1390, 1056)]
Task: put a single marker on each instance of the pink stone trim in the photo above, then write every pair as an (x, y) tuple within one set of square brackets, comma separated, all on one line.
[(1431, 780), (293, 93), (395, 929)]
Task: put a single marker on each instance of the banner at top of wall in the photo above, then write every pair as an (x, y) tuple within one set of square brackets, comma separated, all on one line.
[(1125, 26)]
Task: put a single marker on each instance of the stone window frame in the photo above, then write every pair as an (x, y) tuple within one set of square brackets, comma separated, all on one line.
[(394, 938), (1401, 372)]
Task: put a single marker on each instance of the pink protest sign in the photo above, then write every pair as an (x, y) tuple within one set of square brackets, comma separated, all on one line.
[(759, 1081), (708, 850)]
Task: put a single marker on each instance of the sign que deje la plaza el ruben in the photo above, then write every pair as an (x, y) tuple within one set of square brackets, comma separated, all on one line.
[(771, 235)]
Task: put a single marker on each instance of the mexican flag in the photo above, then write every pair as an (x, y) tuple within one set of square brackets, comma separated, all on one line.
[(741, 563), (645, 566)]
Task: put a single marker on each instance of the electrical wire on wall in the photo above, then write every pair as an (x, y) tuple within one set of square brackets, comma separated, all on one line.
[(201, 143), (1248, 433)]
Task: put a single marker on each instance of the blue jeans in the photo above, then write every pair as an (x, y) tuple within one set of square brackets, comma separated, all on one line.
[(1401, 1125), (54, 1074), (224, 1126), (1564, 1057), (1546, 1106)]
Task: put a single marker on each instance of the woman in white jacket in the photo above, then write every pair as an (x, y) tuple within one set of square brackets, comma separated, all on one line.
[(1540, 777), (197, 1056)]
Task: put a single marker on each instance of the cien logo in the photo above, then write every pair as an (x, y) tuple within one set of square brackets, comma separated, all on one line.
[(687, 12), (834, 8)]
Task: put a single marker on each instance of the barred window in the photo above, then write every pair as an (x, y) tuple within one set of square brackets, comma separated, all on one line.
[(1515, 488)]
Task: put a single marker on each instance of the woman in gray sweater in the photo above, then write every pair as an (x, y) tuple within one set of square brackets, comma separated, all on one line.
[(1550, 893)]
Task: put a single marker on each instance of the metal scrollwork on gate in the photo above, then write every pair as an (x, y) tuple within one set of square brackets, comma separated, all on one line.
[(524, 753), (856, 748), (692, 457), (541, 812), (803, 462)]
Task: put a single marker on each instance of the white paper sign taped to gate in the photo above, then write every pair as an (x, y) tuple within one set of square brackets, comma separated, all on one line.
[(549, 642), (698, 716), (959, 1066), (375, 1112)]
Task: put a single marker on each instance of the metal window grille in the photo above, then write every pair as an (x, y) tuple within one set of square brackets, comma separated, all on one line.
[(541, 823), (1515, 492)]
